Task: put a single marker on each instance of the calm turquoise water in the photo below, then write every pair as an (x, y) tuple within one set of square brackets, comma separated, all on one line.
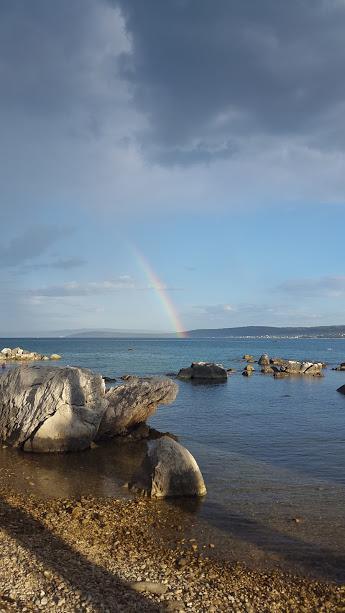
[(270, 450)]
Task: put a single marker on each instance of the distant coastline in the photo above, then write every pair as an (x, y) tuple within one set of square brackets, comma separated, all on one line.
[(245, 332)]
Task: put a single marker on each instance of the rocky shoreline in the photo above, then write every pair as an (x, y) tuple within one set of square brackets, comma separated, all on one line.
[(103, 554), (17, 354), (131, 555)]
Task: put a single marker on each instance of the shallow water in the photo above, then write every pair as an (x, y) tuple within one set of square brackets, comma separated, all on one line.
[(272, 451)]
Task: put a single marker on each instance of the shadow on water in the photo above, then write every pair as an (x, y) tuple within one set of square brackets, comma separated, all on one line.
[(293, 552), (104, 589)]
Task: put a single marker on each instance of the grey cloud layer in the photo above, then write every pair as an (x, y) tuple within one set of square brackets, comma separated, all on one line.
[(95, 288), (132, 104), (331, 286), (208, 73), (53, 60), (31, 243)]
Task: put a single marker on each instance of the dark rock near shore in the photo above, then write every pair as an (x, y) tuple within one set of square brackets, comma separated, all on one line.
[(132, 378), (168, 470), (204, 371)]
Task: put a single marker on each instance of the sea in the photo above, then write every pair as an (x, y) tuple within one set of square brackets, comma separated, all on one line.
[(272, 451)]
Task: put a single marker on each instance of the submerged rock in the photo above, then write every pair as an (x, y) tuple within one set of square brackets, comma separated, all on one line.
[(340, 367), (248, 370), (204, 371), (133, 403), (109, 379), (168, 470), (51, 409)]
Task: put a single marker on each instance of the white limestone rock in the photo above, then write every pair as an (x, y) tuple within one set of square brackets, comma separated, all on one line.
[(46, 409), (133, 403)]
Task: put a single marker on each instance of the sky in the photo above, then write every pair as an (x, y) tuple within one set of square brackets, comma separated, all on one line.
[(171, 165)]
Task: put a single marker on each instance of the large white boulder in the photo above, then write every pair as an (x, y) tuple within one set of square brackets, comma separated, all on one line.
[(51, 409)]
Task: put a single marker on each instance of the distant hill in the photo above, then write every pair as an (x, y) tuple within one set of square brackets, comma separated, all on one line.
[(270, 332), (117, 334), (238, 332)]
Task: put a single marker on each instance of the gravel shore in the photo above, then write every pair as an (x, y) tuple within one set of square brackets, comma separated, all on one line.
[(131, 555)]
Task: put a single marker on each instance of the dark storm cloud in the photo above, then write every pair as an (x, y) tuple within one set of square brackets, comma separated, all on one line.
[(207, 73), (45, 63)]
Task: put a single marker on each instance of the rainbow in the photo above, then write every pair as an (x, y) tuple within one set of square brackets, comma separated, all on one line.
[(161, 292)]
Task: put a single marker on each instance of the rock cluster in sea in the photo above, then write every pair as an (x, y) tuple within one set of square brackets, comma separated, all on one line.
[(22, 355), (279, 367), (46, 409)]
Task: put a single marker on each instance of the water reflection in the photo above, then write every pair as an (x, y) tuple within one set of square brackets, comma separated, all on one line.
[(100, 471)]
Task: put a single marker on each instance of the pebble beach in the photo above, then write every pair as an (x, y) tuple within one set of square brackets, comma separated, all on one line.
[(131, 555)]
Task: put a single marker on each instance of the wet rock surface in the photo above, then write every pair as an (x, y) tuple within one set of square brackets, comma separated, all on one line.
[(248, 370)]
